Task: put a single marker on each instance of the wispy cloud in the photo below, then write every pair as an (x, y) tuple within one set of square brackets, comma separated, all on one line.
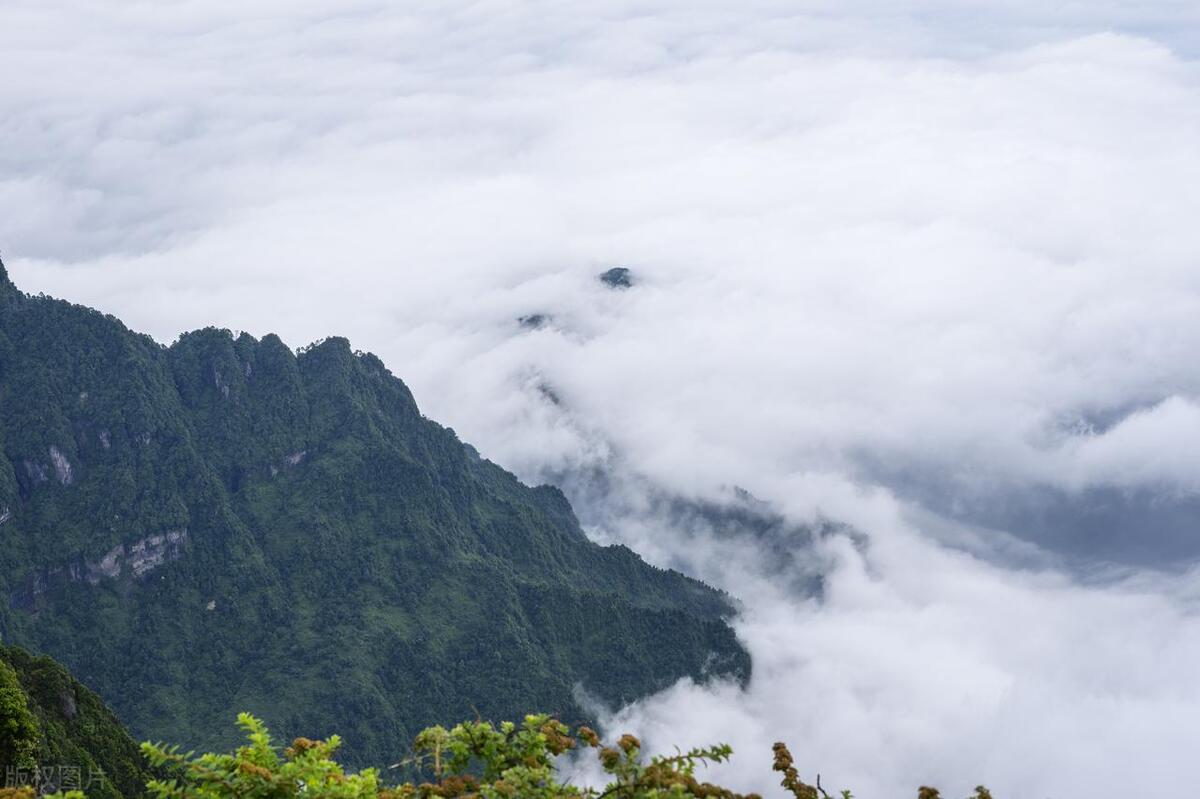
[(891, 266)]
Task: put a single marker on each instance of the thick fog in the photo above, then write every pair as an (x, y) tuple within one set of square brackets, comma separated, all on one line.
[(907, 366)]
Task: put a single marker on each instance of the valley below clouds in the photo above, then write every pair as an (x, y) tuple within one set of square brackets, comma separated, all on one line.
[(907, 366)]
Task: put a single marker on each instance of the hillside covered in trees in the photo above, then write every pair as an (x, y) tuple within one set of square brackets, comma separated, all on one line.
[(226, 524), (54, 732)]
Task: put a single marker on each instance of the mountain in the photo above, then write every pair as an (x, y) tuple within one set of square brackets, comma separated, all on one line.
[(52, 723), (225, 524)]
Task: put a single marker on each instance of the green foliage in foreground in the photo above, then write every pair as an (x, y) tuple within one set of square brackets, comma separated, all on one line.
[(473, 760)]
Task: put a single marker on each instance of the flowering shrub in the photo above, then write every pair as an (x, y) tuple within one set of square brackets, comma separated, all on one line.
[(473, 760)]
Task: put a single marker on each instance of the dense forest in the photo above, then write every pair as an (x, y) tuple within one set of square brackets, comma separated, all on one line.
[(54, 732), (226, 524)]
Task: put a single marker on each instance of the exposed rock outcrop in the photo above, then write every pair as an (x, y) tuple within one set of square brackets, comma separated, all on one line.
[(62, 466), (534, 321), (36, 472), (619, 277), (133, 560)]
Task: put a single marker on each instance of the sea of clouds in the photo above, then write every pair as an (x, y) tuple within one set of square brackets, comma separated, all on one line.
[(932, 273)]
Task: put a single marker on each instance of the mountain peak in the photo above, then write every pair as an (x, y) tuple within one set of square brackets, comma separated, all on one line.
[(303, 497), (619, 277)]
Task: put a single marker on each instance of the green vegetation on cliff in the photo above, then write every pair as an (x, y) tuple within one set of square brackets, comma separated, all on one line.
[(226, 524), (55, 731)]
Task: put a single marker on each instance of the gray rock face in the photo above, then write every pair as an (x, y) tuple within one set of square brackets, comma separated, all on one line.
[(220, 383), (153, 551), (133, 560), (619, 277), (534, 321), (70, 705), (62, 466), (36, 472)]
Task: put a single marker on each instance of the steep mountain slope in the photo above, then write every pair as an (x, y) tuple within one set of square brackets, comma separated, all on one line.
[(225, 525), (56, 732)]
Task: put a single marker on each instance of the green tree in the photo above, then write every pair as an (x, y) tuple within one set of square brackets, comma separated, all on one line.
[(19, 734), (472, 760)]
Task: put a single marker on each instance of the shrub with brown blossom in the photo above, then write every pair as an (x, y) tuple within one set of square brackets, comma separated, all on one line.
[(473, 760)]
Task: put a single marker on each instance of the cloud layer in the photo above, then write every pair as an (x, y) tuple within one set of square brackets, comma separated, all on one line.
[(896, 269)]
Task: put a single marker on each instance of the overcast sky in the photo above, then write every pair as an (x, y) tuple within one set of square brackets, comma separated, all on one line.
[(930, 272)]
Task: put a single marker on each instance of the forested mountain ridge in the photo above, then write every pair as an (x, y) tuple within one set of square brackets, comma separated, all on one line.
[(228, 525), (56, 733)]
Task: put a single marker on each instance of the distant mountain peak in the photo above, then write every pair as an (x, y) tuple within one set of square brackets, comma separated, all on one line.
[(619, 277)]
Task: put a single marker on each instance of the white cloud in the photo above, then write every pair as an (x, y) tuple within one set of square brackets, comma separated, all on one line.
[(922, 666), (1159, 445), (951, 244)]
